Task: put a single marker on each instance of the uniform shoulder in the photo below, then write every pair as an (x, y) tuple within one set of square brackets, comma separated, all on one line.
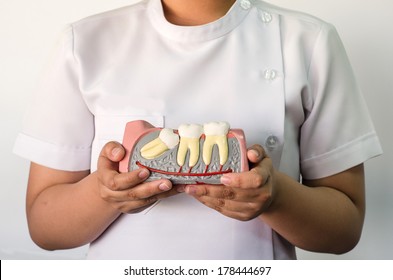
[(118, 14), (292, 15)]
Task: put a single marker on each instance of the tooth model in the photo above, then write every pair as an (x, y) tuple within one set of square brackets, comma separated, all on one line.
[(164, 151), (166, 140), (216, 134), (189, 141)]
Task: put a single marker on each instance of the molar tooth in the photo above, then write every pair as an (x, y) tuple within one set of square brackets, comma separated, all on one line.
[(216, 134), (189, 140), (166, 140)]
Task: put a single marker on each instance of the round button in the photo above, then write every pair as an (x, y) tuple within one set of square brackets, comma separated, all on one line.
[(245, 4), (271, 142), (270, 74), (266, 17)]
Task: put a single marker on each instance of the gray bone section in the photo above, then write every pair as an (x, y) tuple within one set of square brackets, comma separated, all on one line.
[(167, 162)]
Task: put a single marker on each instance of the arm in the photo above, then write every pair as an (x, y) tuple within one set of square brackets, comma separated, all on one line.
[(70, 209), (60, 207), (324, 215)]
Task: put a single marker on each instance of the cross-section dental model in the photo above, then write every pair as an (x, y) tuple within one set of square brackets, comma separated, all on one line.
[(189, 141), (164, 152), (215, 134), (167, 139)]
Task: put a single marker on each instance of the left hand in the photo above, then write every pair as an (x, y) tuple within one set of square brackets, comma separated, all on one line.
[(242, 196)]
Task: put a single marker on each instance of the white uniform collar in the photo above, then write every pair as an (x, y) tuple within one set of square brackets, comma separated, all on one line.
[(198, 33)]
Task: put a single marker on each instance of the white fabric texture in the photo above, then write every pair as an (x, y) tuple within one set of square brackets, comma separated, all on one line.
[(281, 76)]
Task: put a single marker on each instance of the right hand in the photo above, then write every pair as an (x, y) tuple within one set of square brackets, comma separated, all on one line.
[(128, 192)]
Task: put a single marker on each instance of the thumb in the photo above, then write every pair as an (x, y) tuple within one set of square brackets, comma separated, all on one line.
[(256, 153), (111, 154)]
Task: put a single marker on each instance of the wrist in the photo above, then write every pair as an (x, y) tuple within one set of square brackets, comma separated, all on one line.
[(277, 184)]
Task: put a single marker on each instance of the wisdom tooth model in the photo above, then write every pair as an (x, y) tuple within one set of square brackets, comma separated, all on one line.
[(189, 140), (166, 140), (165, 152), (216, 134)]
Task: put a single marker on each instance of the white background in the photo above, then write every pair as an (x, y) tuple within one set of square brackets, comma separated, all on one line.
[(28, 30)]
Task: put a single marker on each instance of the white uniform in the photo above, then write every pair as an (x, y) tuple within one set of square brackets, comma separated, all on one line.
[(281, 76)]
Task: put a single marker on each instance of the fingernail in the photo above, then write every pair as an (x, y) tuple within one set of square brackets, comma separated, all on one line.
[(143, 174), (181, 189), (225, 180), (254, 152), (116, 151), (164, 187), (191, 190)]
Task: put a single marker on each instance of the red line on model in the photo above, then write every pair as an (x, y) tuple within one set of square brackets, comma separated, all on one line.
[(183, 174)]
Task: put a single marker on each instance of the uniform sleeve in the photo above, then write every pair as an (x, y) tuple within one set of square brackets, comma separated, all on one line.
[(58, 128), (338, 133)]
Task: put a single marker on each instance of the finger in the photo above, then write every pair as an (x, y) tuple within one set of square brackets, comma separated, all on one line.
[(256, 153), (124, 181), (223, 192), (141, 192), (140, 205), (110, 155), (243, 211), (241, 216), (150, 189), (107, 168), (135, 206), (253, 179), (234, 209), (116, 181), (113, 151)]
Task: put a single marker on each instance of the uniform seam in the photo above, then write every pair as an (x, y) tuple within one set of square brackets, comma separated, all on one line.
[(342, 147)]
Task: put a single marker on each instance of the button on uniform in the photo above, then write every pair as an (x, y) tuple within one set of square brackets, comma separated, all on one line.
[(265, 16), (271, 142), (269, 74), (245, 4)]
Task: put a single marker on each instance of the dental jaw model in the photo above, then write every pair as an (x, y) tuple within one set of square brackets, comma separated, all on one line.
[(192, 154)]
